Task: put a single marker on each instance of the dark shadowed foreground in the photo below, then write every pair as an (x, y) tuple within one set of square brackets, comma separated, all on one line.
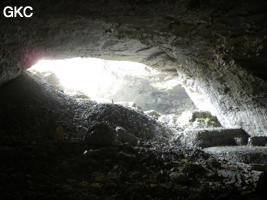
[(46, 157)]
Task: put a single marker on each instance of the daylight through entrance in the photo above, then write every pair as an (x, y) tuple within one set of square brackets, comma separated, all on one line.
[(130, 84)]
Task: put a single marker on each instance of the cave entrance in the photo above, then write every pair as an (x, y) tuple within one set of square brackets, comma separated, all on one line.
[(156, 93), (121, 82)]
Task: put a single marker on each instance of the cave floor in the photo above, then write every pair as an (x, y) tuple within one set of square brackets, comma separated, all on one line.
[(35, 166), (75, 171)]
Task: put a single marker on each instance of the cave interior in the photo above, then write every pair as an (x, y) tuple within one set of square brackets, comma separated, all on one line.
[(134, 99)]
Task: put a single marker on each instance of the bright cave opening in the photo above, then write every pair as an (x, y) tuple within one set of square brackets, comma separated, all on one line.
[(158, 94)]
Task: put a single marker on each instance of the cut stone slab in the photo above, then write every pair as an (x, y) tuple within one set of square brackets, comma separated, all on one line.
[(244, 154), (214, 137), (258, 141)]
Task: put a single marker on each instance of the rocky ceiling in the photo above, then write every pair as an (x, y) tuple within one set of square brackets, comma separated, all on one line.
[(218, 48)]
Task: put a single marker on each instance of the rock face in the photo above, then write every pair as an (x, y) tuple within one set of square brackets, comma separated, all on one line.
[(218, 48), (157, 91), (258, 141), (214, 137)]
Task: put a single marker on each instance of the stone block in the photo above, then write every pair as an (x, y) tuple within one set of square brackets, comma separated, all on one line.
[(258, 141), (214, 137), (243, 154)]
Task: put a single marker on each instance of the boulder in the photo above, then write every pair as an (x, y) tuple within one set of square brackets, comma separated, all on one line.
[(153, 113), (197, 119), (100, 135), (205, 119), (257, 141), (125, 137), (135, 122), (202, 114), (214, 137)]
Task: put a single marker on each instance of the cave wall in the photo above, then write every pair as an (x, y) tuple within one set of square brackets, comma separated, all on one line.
[(218, 48)]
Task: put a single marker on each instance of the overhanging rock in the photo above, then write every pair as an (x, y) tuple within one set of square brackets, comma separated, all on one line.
[(221, 58)]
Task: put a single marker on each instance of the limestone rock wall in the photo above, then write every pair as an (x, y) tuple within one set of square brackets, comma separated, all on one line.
[(217, 47)]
